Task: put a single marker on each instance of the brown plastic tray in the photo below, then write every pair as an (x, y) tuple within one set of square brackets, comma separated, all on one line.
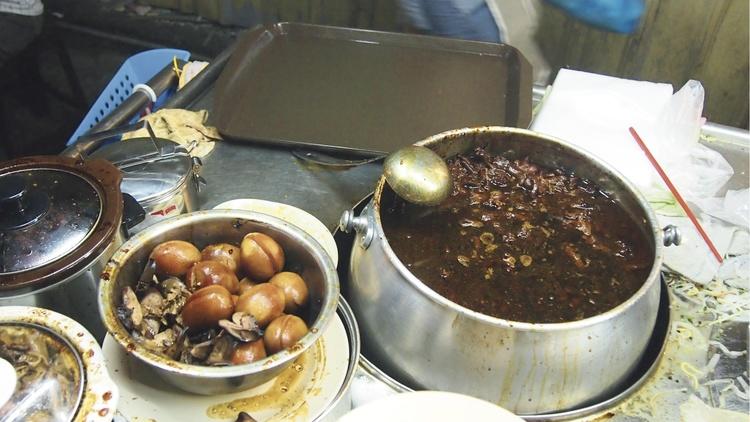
[(366, 92)]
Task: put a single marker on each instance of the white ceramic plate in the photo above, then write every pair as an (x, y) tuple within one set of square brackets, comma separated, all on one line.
[(432, 406), (293, 215), (300, 393)]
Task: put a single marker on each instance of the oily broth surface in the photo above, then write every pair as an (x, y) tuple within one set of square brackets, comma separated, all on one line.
[(521, 242)]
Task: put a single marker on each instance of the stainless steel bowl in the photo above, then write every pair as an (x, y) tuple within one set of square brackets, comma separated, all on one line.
[(303, 255)]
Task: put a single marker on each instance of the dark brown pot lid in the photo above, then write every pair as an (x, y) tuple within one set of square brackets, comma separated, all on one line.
[(46, 213), (57, 214)]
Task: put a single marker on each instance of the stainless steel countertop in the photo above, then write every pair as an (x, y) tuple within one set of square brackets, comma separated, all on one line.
[(243, 170)]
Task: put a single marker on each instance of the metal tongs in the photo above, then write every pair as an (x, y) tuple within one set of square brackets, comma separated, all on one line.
[(164, 152), (89, 142)]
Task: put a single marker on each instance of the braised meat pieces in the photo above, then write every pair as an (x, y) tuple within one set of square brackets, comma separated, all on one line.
[(521, 242), (49, 378), (191, 306)]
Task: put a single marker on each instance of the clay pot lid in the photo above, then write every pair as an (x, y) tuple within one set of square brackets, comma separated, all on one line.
[(57, 214)]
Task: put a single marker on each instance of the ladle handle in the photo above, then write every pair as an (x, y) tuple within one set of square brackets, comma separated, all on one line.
[(325, 160)]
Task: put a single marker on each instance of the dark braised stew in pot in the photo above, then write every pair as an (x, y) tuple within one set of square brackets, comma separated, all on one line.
[(521, 242)]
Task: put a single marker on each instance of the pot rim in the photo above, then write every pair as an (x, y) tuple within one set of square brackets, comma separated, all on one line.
[(107, 309), (116, 242), (155, 199), (349, 321), (170, 194), (416, 283)]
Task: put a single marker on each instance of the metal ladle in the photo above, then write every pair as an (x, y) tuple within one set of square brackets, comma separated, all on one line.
[(415, 173), (418, 175)]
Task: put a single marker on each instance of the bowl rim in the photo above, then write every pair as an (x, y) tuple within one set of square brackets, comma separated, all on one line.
[(651, 281), (107, 290)]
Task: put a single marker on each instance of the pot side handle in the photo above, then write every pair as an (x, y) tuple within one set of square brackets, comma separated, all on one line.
[(198, 180), (361, 225), (672, 235), (132, 213)]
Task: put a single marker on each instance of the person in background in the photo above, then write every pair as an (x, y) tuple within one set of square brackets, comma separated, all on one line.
[(514, 22), (464, 19), (20, 24)]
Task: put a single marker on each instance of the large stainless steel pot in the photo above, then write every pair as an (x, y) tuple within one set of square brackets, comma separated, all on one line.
[(426, 340), (60, 222)]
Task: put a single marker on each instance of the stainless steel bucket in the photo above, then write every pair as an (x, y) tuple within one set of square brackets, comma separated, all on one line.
[(430, 342)]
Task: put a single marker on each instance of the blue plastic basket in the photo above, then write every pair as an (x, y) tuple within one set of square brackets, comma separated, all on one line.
[(137, 69)]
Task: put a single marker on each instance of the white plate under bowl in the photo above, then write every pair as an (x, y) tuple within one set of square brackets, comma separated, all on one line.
[(301, 393), (432, 406), (293, 215)]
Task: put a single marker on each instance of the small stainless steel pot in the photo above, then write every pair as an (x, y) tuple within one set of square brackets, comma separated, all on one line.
[(303, 255), (428, 341), (159, 174), (61, 219)]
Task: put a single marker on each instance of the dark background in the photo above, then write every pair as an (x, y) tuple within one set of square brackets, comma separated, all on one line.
[(47, 90)]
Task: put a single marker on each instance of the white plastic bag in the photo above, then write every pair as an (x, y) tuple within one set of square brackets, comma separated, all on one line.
[(697, 171), (594, 112), (733, 208)]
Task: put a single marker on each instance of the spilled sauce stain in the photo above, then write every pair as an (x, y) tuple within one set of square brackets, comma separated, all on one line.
[(287, 396), (320, 351)]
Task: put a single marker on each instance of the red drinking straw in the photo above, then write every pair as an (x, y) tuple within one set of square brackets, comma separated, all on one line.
[(676, 194)]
